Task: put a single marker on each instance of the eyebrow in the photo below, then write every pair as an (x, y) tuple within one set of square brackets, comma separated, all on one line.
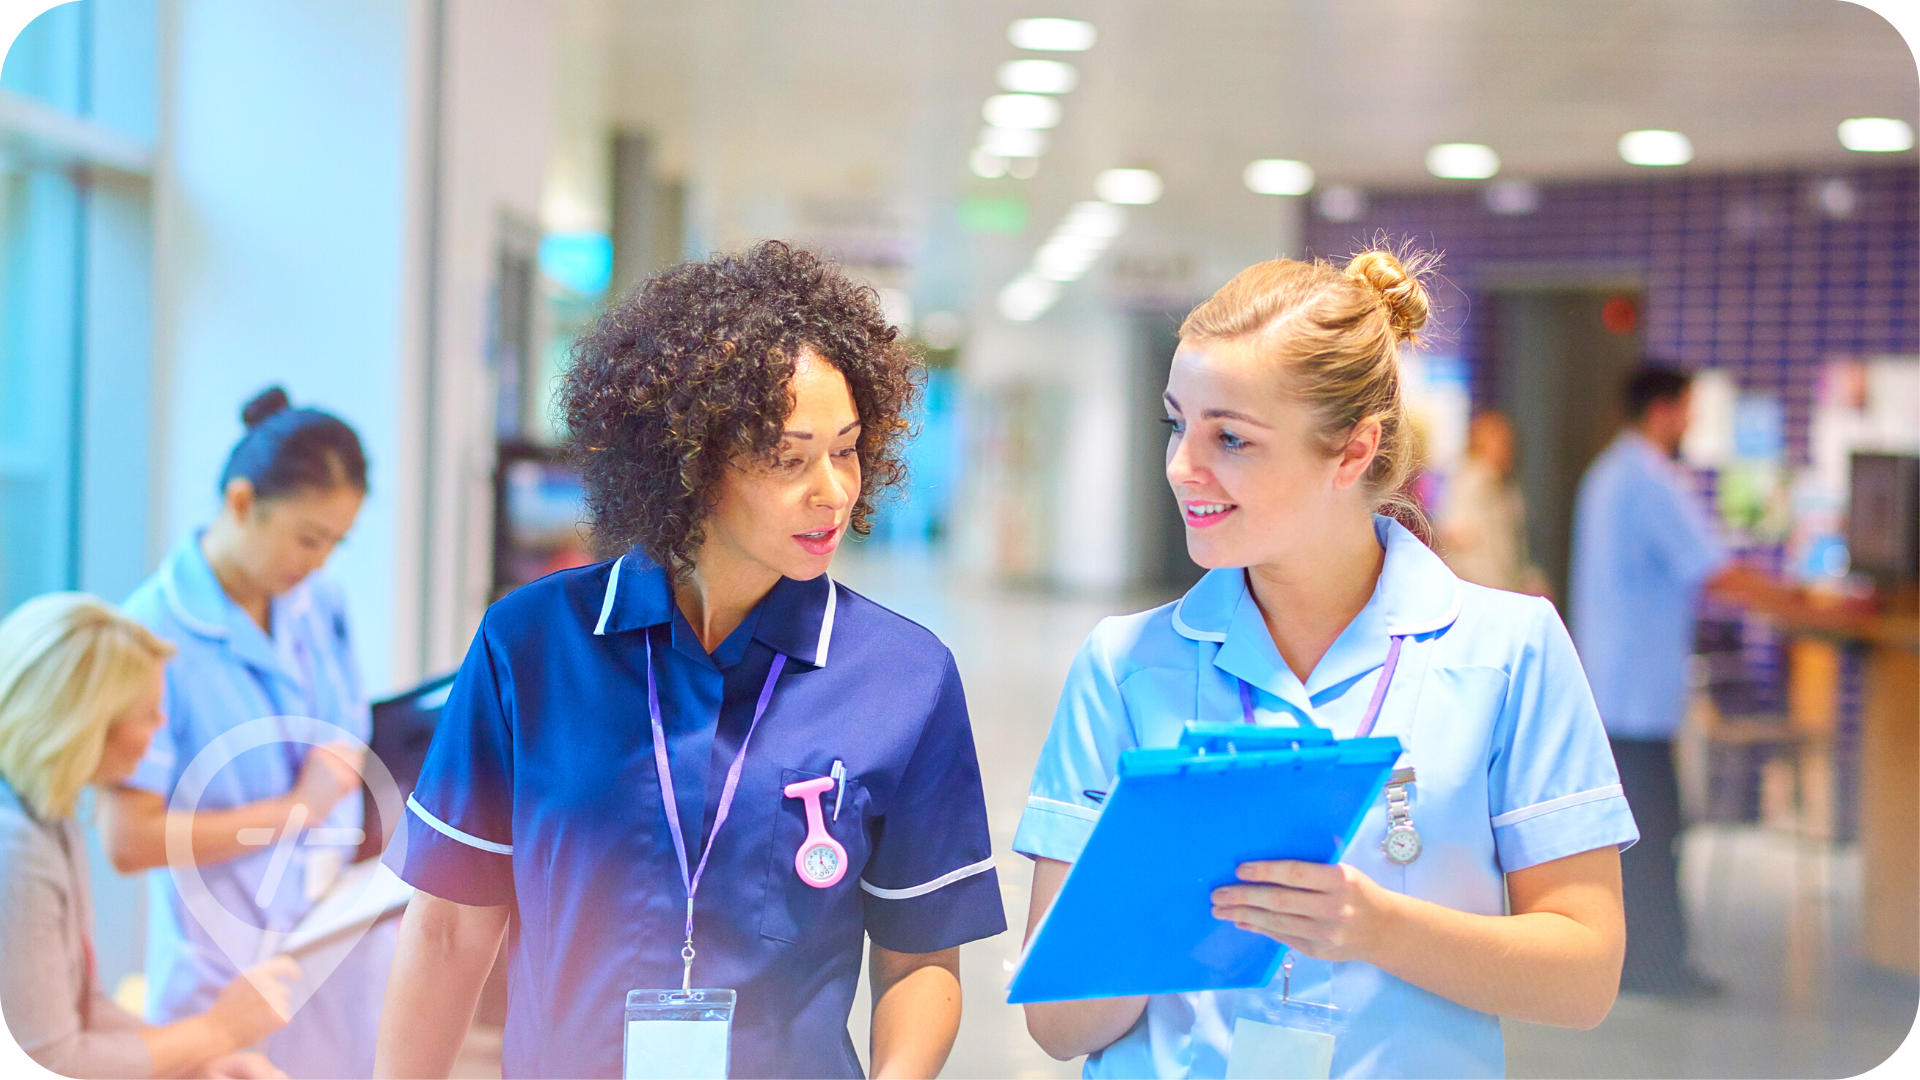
[(809, 434), (1219, 414)]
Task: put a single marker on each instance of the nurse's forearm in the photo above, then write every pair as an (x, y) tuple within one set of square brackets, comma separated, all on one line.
[(916, 1011), (440, 964), (184, 1047), (1556, 960), (1067, 1029), (134, 827)]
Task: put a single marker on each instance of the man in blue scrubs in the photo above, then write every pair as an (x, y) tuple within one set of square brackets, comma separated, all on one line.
[(1644, 551)]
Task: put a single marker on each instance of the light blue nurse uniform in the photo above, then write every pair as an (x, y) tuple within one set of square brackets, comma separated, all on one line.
[(1643, 546), (1512, 770), (229, 672)]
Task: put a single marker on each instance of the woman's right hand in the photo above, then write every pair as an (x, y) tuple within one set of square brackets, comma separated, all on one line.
[(329, 774), (257, 1003)]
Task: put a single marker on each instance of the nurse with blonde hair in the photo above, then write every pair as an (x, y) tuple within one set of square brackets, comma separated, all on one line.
[(80, 693), (1485, 882)]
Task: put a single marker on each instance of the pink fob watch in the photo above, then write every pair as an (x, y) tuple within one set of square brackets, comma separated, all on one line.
[(821, 862)]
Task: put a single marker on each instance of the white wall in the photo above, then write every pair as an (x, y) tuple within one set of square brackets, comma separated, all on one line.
[(281, 239), (292, 209)]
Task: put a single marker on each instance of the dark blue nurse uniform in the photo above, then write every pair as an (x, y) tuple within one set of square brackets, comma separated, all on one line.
[(540, 792)]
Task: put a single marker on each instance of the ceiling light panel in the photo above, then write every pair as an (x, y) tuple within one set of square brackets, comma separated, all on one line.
[(1013, 142), (1128, 187), (1655, 147), (1052, 35), (1037, 77), (1021, 111), (1876, 134), (1095, 219), (1278, 176), (1462, 161)]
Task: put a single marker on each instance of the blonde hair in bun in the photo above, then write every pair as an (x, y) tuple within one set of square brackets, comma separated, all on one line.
[(1335, 334)]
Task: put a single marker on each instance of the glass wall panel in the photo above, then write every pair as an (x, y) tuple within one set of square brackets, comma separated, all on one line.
[(40, 235)]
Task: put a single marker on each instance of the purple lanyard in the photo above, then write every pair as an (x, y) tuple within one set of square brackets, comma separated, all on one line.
[(672, 806), (1373, 706)]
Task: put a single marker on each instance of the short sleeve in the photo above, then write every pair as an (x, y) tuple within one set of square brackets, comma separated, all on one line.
[(929, 883), (1683, 535), (1079, 761), (1552, 787), (459, 819)]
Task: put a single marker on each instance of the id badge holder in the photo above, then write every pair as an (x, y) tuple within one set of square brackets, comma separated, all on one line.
[(678, 1033), (1289, 1039)]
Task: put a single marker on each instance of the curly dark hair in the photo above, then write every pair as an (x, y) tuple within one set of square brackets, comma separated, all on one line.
[(690, 372)]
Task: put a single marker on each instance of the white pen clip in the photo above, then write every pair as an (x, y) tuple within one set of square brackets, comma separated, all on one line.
[(840, 779)]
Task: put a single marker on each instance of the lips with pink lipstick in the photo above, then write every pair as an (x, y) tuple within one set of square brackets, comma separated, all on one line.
[(1203, 514), (820, 541)]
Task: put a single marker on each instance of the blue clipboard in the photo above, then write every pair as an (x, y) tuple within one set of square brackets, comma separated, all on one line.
[(1134, 915)]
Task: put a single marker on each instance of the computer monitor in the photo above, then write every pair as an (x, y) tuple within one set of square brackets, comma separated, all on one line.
[(402, 731), (1883, 518)]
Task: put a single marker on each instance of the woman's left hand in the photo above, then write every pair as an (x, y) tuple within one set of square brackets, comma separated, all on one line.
[(243, 1066), (1327, 912)]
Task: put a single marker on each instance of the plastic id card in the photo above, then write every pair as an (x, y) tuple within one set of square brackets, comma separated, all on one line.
[(1285, 1040), (678, 1033)]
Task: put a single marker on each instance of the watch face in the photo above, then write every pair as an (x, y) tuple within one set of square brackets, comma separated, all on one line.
[(821, 862), (1402, 844)]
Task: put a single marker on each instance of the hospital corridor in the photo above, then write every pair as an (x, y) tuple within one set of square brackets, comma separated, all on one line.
[(969, 538)]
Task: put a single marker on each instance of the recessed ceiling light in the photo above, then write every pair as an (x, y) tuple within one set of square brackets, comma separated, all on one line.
[(1876, 134), (1655, 148), (1128, 187), (1027, 297), (1013, 142), (986, 163), (1462, 161), (1052, 35), (1037, 77), (1021, 111), (1278, 176), (1098, 219)]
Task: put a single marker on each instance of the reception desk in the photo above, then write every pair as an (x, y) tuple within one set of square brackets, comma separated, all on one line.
[(1889, 644)]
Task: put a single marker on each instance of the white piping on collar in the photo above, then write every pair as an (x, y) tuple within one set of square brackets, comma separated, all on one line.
[(606, 605), (826, 627), (171, 590), (1441, 623), (1180, 624)]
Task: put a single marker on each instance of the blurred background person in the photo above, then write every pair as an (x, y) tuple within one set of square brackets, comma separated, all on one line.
[(1645, 550), (1483, 530), (80, 697), (260, 634)]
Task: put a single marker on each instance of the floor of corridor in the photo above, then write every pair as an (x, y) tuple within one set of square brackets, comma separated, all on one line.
[(1014, 648)]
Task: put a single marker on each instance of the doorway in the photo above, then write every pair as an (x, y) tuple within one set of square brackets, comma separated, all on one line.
[(1561, 356)]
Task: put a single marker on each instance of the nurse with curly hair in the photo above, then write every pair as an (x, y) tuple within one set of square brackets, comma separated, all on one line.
[(702, 766)]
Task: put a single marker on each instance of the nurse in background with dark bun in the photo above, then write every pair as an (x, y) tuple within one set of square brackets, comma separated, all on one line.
[(261, 633)]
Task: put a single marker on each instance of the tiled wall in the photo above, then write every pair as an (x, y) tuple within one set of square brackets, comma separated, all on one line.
[(1766, 273)]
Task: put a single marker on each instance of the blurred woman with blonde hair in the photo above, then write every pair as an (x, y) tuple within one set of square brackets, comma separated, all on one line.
[(1484, 885), (80, 689)]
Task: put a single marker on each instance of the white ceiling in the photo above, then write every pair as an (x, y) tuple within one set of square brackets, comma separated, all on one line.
[(763, 104)]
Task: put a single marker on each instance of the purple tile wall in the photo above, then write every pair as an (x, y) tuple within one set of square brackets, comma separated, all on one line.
[(1747, 271)]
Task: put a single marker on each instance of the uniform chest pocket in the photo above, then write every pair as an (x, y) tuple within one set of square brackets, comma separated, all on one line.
[(794, 906)]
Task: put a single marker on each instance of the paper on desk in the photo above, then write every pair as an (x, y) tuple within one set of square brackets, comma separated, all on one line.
[(361, 895)]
